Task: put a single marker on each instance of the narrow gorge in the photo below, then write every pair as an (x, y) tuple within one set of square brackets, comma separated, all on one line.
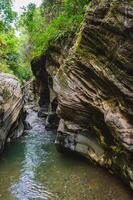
[(94, 87), (75, 117)]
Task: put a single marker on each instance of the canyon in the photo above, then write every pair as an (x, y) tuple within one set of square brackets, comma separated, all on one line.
[(85, 88), (93, 84)]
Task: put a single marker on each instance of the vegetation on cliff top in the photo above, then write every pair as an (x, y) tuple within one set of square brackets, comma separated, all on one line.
[(36, 29), (53, 20)]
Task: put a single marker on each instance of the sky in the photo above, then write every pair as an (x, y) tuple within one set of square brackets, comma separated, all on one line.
[(18, 4)]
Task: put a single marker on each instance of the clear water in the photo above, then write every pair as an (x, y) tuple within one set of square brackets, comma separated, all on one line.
[(32, 169)]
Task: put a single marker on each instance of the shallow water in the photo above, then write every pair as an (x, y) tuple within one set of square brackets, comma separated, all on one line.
[(32, 169)]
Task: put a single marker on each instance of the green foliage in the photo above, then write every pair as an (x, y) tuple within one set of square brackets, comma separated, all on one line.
[(55, 19), (28, 16), (38, 29), (75, 6), (6, 12), (59, 27), (10, 55)]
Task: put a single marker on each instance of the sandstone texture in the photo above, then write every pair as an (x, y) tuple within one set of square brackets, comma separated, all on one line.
[(44, 69), (93, 82), (11, 104), (95, 89)]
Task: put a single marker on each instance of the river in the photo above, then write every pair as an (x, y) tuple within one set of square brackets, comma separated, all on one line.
[(32, 169)]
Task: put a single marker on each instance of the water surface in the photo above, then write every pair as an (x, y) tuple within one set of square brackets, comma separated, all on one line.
[(32, 169)]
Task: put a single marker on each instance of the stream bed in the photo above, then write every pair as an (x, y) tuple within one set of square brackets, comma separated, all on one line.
[(32, 169)]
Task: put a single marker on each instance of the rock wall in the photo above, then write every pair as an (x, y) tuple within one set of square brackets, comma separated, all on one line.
[(93, 81), (95, 89), (11, 104), (44, 69)]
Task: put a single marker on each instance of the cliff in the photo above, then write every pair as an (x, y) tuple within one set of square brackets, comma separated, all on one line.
[(95, 90), (44, 68), (94, 87), (11, 104)]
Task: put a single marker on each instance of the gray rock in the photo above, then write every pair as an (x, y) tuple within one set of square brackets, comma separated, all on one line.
[(95, 89), (10, 108)]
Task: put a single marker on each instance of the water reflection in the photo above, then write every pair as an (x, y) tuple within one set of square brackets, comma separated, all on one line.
[(31, 169), (28, 187)]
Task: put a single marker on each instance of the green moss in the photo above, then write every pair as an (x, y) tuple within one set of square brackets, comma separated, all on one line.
[(6, 94), (76, 45), (62, 79)]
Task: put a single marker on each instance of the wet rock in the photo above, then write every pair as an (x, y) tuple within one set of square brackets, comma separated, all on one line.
[(43, 111), (27, 126), (17, 129), (52, 120), (95, 89), (11, 104)]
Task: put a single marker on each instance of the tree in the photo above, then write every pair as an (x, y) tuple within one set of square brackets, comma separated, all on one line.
[(10, 57), (75, 6), (27, 17), (7, 15)]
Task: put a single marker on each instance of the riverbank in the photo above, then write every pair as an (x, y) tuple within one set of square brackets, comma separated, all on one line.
[(31, 168)]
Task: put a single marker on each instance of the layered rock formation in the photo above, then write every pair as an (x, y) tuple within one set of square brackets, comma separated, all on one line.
[(94, 86), (11, 104), (44, 68), (95, 90)]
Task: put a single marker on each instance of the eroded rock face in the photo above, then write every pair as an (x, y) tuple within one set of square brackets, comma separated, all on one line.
[(95, 90), (39, 70), (44, 69), (11, 104)]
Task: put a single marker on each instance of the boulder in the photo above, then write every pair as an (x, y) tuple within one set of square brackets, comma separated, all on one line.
[(11, 105)]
